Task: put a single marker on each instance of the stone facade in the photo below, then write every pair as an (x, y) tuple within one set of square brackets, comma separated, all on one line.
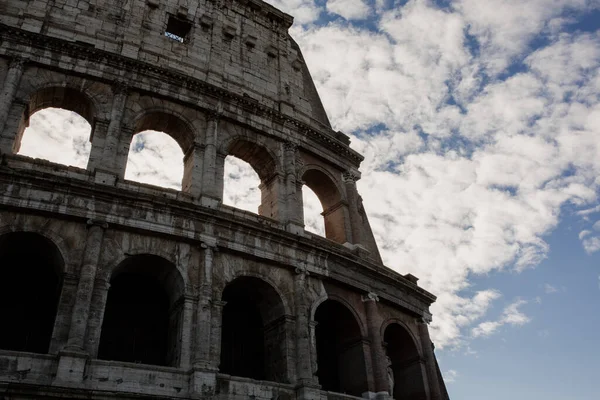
[(115, 289)]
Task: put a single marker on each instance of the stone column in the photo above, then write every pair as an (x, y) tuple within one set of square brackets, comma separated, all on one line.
[(187, 332), (60, 332), (304, 372), (192, 170), (378, 356), (432, 376), (7, 96), (215, 332), (202, 354), (94, 331), (73, 357), (211, 189), (350, 178), (109, 147), (85, 288), (294, 214), (207, 349)]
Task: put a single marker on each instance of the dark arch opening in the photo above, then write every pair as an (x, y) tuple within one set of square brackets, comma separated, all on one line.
[(153, 157), (406, 366), (30, 284), (340, 352), (143, 313), (331, 201), (57, 126), (253, 341)]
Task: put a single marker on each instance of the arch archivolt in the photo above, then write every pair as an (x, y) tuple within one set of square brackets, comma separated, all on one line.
[(61, 235), (408, 328), (184, 124), (342, 300), (176, 254), (261, 152), (323, 183), (53, 84), (230, 273)]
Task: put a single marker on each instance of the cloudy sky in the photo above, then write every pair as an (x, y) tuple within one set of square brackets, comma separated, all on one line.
[(480, 123)]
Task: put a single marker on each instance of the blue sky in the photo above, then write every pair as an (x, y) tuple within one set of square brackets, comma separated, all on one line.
[(480, 123)]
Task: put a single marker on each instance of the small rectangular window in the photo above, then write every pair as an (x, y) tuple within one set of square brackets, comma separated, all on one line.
[(178, 29)]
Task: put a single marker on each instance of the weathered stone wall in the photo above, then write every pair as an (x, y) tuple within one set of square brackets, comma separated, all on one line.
[(236, 85), (242, 47)]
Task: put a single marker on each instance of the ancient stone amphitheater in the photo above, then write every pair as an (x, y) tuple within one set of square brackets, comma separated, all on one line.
[(112, 289)]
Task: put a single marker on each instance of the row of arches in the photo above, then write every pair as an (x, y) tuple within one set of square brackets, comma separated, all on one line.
[(158, 146), (143, 320)]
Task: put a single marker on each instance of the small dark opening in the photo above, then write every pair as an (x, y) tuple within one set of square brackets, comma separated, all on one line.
[(136, 321), (340, 357), (242, 349), (405, 364), (177, 29), (29, 291)]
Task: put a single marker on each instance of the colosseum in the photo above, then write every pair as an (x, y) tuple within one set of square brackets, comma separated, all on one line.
[(113, 289)]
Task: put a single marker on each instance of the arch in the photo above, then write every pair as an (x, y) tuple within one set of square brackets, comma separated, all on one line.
[(260, 158), (64, 99), (49, 234), (175, 126), (254, 336), (325, 186), (340, 349), (405, 363), (265, 163), (143, 316), (339, 299), (30, 286), (151, 250), (169, 122), (397, 321)]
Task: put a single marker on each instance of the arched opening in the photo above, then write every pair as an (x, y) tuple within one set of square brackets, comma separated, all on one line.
[(155, 158), (405, 366), (57, 127), (264, 165), (143, 313), (340, 353), (30, 285), (330, 198), (161, 152), (253, 342), (241, 185), (312, 210)]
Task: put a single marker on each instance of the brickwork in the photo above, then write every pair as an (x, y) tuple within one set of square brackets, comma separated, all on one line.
[(150, 280)]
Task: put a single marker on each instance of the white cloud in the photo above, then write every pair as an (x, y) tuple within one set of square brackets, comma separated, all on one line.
[(510, 316), (450, 376), (155, 158), (59, 136), (591, 244), (549, 289), (349, 9), (303, 11)]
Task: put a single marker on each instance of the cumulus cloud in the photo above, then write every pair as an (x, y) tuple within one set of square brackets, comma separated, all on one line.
[(303, 11), (155, 158), (57, 135), (349, 9), (511, 315)]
